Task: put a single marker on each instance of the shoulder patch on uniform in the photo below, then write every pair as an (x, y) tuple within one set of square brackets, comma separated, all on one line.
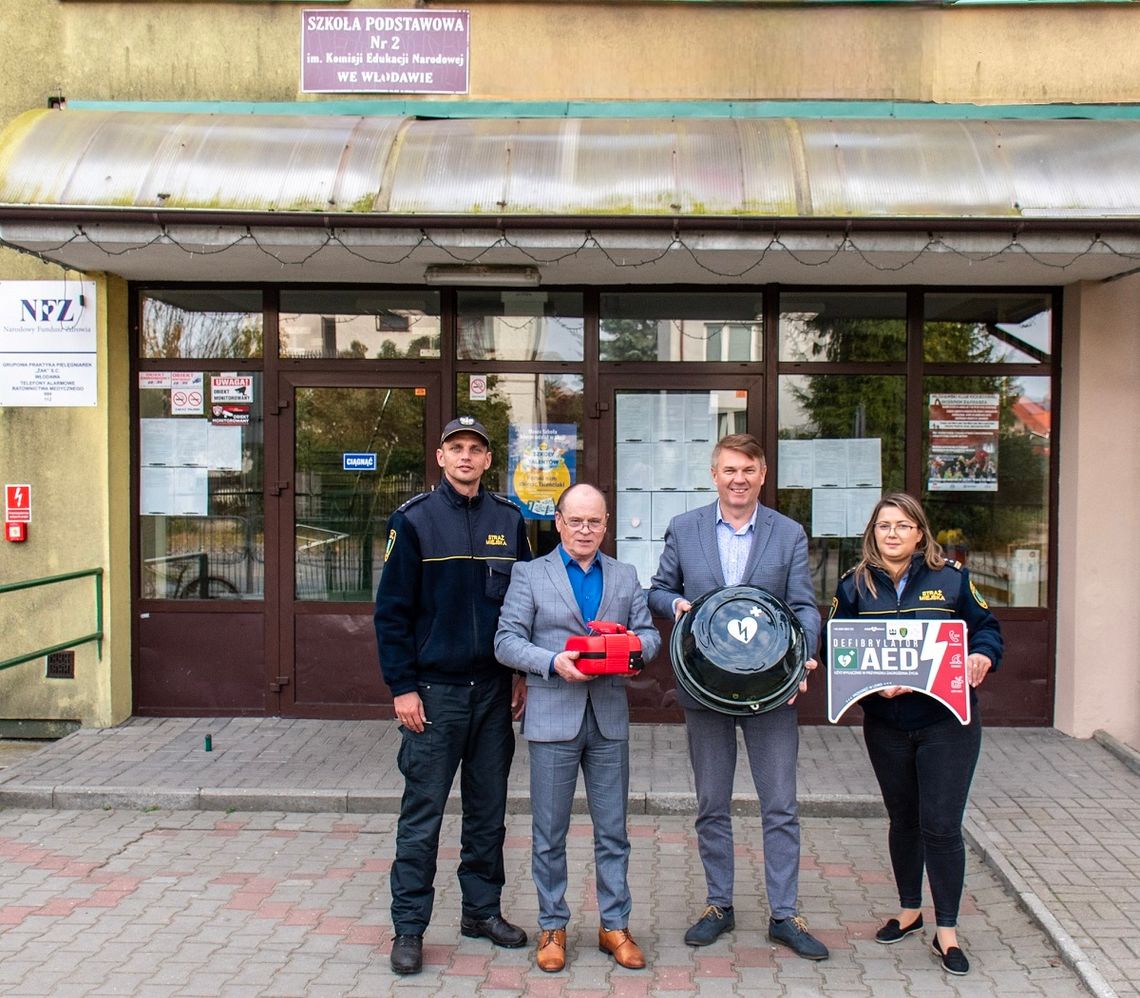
[(850, 571), (504, 500), (391, 543), (956, 565), (978, 596), (411, 502)]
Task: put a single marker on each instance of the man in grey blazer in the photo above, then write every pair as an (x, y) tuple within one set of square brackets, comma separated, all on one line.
[(737, 541), (575, 720)]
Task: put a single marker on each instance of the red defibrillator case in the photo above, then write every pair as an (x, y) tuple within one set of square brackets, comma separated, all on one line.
[(608, 650)]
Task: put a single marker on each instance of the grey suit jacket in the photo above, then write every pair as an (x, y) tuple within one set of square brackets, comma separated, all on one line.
[(777, 561), (539, 614)]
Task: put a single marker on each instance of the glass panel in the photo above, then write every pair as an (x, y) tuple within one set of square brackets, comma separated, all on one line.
[(520, 325), (535, 423), (843, 327), (664, 444), (196, 323), (383, 325), (359, 455), (988, 328), (840, 447), (670, 326), (202, 512), (986, 442)]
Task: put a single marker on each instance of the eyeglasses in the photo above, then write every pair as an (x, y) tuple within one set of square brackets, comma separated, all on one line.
[(577, 523), (901, 529)]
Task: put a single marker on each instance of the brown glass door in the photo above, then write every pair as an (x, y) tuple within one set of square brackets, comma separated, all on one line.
[(352, 449), (656, 439)]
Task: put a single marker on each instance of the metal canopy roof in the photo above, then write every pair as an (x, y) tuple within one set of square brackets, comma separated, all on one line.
[(123, 174)]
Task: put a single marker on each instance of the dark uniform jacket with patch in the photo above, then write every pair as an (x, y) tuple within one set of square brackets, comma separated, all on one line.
[(929, 594), (446, 571)]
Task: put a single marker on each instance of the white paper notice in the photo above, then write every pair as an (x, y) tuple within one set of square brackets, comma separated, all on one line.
[(860, 506), (796, 464), (635, 412), (671, 417), (828, 513), (634, 467), (700, 422), (864, 464), (698, 465), (224, 447), (634, 510), (830, 464), (175, 443), (666, 505), (669, 467), (173, 491), (642, 555)]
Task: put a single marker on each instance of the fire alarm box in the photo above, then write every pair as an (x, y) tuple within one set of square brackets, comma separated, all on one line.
[(16, 532), (608, 650)]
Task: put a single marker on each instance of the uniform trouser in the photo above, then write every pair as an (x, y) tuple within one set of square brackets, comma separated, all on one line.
[(925, 777), (553, 778), (772, 741), (470, 725)]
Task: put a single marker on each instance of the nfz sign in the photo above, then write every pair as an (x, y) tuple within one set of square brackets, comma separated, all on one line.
[(47, 343), (358, 462)]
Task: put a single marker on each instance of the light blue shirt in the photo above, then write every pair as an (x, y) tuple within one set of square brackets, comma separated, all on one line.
[(734, 545)]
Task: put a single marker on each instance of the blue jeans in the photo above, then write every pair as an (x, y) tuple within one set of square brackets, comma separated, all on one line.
[(470, 725), (925, 776)]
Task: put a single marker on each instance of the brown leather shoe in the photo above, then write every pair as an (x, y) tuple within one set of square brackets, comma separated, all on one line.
[(551, 955), (620, 945)]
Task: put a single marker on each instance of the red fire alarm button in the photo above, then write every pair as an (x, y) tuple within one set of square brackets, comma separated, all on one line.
[(16, 532)]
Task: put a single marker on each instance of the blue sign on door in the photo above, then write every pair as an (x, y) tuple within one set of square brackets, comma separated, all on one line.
[(359, 462)]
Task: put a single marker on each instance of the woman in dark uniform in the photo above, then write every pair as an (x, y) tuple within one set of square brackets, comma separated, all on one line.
[(923, 757)]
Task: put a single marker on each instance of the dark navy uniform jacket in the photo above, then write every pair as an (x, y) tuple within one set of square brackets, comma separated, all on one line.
[(929, 594), (446, 570)]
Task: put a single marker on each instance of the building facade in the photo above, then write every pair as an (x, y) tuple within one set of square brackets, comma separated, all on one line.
[(898, 242)]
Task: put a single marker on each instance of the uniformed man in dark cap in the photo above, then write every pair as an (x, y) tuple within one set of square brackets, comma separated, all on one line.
[(446, 570)]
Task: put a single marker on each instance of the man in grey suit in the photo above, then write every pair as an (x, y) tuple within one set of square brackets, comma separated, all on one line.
[(737, 541), (575, 720)]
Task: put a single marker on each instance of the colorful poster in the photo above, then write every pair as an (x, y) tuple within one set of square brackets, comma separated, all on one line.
[(927, 656), (963, 443), (540, 466)]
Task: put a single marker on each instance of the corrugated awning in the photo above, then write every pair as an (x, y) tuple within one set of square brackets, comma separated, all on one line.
[(61, 169)]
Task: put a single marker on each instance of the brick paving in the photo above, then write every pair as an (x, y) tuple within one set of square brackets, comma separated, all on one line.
[(196, 903), (260, 868)]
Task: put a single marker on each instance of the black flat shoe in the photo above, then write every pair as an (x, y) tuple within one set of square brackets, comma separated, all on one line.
[(496, 928), (953, 960), (407, 954), (892, 932)]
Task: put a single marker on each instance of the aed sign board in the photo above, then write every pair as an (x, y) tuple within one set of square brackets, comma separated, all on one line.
[(868, 655), (47, 343), (355, 51)]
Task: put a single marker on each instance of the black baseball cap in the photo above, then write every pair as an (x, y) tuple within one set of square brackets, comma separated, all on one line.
[(466, 424)]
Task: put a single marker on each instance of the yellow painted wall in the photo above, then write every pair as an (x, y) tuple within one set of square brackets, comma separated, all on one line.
[(76, 461), (1098, 683), (609, 51)]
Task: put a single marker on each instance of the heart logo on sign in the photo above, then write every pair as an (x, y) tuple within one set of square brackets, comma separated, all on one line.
[(744, 629)]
